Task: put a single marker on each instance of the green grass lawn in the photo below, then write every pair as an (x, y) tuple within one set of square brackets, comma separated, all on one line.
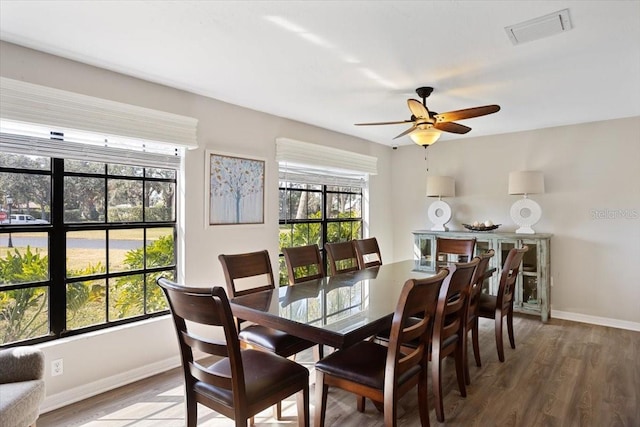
[(79, 258)]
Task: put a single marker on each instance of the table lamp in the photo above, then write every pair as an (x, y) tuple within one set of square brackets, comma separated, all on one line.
[(526, 212), (439, 212)]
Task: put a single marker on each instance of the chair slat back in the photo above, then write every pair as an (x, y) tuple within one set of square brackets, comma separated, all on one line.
[(464, 247), (342, 257), (367, 252), (478, 279), (204, 306), (303, 263), (417, 300), (509, 276), (241, 266), (450, 314)]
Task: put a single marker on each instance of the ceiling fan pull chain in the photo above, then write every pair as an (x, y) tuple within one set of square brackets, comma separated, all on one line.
[(426, 156)]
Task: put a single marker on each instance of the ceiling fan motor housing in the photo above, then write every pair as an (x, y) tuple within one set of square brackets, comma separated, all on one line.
[(424, 92)]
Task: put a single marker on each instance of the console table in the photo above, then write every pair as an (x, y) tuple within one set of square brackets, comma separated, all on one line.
[(533, 286)]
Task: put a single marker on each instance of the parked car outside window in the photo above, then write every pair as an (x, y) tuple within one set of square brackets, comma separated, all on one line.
[(21, 219)]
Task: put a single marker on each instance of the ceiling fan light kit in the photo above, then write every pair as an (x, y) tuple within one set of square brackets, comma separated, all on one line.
[(526, 212), (427, 126), (439, 212), (424, 137)]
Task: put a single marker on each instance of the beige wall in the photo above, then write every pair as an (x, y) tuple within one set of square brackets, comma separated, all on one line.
[(105, 359), (592, 166), (587, 167)]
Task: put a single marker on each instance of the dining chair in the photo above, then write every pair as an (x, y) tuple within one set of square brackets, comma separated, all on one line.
[(481, 274), (342, 257), (303, 263), (367, 252), (463, 248), (501, 305), (256, 268), (448, 329), (242, 383), (385, 373)]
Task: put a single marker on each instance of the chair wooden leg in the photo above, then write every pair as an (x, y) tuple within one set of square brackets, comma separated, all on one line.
[(277, 411), (460, 364), (423, 404), (476, 343), (498, 328), (465, 356), (320, 399), (302, 402), (390, 411), (437, 385), (360, 403), (192, 411), (318, 352), (512, 339)]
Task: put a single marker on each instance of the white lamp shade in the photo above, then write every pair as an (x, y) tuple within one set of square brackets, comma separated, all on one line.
[(526, 182), (440, 186), (424, 136)]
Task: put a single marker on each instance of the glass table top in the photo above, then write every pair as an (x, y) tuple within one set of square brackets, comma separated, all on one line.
[(334, 307)]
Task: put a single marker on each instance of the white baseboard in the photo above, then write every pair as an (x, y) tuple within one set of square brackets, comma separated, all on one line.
[(77, 394), (595, 320)]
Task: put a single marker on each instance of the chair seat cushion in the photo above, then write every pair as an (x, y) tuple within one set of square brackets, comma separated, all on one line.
[(273, 340), (20, 402), (264, 375), (363, 363), (487, 305)]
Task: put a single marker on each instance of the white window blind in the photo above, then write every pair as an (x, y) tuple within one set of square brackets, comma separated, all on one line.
[(30, 103), (134, 153), (308, 163)]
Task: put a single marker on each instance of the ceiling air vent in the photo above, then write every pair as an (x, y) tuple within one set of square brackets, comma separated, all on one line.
[(544, 26)]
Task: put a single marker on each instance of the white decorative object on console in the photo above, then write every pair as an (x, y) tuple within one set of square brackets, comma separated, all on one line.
[(440, 212), (526, 212)]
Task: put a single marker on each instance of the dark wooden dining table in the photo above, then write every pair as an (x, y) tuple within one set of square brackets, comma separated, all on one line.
[(337, 311)]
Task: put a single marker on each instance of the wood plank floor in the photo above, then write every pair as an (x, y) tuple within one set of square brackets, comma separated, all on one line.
[(561, 374)]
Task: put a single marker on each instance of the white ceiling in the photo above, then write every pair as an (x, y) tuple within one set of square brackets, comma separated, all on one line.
[(357, 61)]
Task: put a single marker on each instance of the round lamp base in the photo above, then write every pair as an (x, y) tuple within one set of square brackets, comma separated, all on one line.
[(439, 214), (526, 213)]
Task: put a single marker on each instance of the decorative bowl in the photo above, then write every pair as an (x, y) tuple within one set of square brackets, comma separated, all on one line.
[(481, 227)]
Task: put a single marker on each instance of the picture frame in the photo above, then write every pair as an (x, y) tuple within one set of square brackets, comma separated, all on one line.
[(235, 190)]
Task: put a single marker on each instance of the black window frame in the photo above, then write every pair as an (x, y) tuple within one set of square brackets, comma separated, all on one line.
[(324, 221), (57, 247)]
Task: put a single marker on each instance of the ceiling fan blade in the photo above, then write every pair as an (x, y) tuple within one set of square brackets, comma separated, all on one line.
[(467, 113), (452, 127), (411, 129), (383, 123), (417, 109)]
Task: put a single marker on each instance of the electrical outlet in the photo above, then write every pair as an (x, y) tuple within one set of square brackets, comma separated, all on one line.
[(57, 368)]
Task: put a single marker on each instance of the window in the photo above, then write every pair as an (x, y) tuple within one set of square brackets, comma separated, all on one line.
[(81, 244), (317, 214), (87, 210), (321, 195)]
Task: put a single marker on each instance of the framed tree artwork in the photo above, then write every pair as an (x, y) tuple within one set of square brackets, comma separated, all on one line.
[(235, 189)]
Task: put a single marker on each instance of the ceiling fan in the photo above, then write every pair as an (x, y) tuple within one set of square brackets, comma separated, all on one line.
[(427, 125)]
